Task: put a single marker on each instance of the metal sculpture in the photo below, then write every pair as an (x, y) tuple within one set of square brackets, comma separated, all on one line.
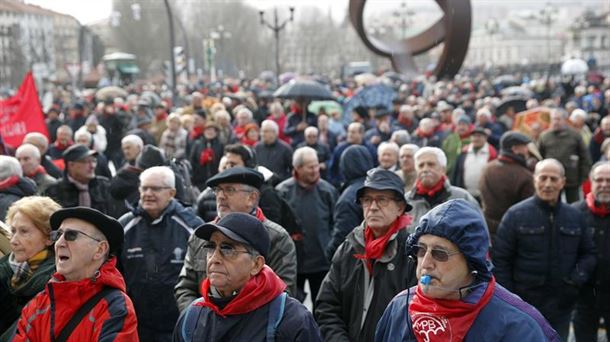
[(452, 29)]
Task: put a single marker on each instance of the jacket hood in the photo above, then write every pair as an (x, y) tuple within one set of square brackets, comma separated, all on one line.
[(355, 161), (459, 222), (25, 187)]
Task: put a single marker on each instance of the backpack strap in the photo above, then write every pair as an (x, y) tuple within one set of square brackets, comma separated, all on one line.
[(82, 311), (190, 321), (276, 313)]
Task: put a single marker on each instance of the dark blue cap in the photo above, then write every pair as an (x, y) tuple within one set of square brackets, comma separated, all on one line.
[(512, 138), (240, 175), (380, 179), (239, 227)]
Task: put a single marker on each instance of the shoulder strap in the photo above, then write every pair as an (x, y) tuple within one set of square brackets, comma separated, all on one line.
[(276, 313), (190, 320), (82, 311)]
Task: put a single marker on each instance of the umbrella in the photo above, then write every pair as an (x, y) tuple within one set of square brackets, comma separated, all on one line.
[(303, 89), (574, 66), (287, 76), (516, 103), (152, 97), (374, 96), (365, 79), (506, 81), (517, 91), (110, 92), (329, 106)]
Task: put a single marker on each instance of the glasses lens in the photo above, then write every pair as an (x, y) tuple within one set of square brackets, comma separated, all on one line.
[(227, 251), (70, 235), (54, 236), (440, 255)]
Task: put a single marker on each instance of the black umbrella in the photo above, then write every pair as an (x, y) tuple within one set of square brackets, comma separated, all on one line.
[(517, 104), (304, 89)]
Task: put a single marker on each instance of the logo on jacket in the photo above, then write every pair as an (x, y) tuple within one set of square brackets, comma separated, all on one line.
[(426, 325), (178, 258)]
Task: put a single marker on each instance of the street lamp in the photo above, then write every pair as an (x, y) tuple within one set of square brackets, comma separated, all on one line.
[(405, 15), (547, 16), (277, 27), (220, 34)]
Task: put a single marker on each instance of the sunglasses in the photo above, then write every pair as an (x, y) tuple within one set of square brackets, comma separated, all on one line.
[(438, 254), (226, 250), (69, 235)]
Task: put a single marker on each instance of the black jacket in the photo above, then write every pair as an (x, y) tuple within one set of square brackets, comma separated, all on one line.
[(66, 194), (277, 157), (25, 187), (201, 172)]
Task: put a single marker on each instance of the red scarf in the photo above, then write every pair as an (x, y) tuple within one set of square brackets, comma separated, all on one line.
[(248, 142), (430, 192), (196, 132), (161, 116), (422, 134), (598, 209), (258, 291), (9, 182), (374, 247), (39, 170), (61, 147), (436, 320), (307, 187), (259, 214), (206, 156)]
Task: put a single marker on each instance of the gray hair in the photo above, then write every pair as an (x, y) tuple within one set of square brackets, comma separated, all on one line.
[(65, 128), (28, 149), (9, 167), (311, 129), (39, 138), (134, 140), (409, 147), (401, 137), (272, 125), (388, 145), (222, 114), (597, 165), (248, 112), (440, 156), (84, 133), (543, 162), (167, 175), (298, 158)]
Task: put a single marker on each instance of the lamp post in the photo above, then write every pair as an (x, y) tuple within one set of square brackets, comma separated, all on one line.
[(220, 34), (277, 27), (172, 43), (405, 15), (547, 17)]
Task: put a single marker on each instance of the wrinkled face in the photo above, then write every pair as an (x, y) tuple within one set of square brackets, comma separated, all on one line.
[(600, 183), (26, 239), (311, 138), (155, 195), (28, 162), (549, 182), (388, 158), (268, 135), (63, 136), (407, 163), (234, 198), (83, 170), (429, 171), (478, 140), (228, 274), (309, 171), (78, 259), (450, 274), (130, 151), (354, 135), (381, 208)]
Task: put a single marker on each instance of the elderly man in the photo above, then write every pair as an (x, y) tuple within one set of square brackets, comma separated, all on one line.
[(132, 146), (156, 235), (29, 158), (13, 185), (237, 190), (370, 267), (80, 186), (243, 299), (323, 150), (566, 145), (432, 186), (101, 167), (387, 156), (594, 298), (457, 298), (497, 192), (407, 172), (42, 143), (85, 300), (273, 153), (63, 141), (313, 201), (543, 251)]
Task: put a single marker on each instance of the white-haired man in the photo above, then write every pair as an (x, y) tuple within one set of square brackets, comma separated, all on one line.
[(29, 158), (156, 236), (432, 186), (132, 146), (273, 153), (407, 172), (387, 156), (42, 143), (13, 185), (312, 135)]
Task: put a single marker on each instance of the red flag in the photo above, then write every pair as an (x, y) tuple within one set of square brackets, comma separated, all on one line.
[(21, 114)]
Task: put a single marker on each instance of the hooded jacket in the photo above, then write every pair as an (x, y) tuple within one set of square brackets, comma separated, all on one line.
[(111, 319), (25, 187), (355, 162)]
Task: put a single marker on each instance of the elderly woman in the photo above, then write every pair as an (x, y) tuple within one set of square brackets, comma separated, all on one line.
[(25, 271)]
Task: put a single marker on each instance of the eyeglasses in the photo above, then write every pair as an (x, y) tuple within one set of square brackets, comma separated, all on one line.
[(155, 189), (69, 235), (228, 191), (226, 250), (438, 254), (367, 201)]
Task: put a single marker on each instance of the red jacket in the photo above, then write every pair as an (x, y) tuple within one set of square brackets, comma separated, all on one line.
[(112, 319)]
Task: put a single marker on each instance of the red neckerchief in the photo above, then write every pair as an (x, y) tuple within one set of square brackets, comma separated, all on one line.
[(423, 134), (9, 182), (374, 247), (259, 214), (196, 132), (39, 170), (258, 291), (307, 187), (430, 192), (248, 142), (58, 145), (436, 320), (598, 209)]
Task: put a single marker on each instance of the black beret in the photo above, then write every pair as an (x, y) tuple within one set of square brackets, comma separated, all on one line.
[(240, 175), (77, 152)]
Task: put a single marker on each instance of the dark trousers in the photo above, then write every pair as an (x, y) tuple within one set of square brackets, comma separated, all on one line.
[(315, 280), (589, 309)]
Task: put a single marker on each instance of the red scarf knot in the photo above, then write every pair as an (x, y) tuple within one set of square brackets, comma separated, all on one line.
[(444, 320), (39, 170), (206, 156), (431, 192), (597, 208), (9, 182), (259, 214), (374, 247), (60, 146)]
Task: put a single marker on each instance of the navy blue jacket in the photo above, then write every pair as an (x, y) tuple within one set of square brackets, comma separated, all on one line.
[(543, 253), (152, 257)]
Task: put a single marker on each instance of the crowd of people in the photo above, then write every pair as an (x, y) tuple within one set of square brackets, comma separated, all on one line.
[(434, 218)]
